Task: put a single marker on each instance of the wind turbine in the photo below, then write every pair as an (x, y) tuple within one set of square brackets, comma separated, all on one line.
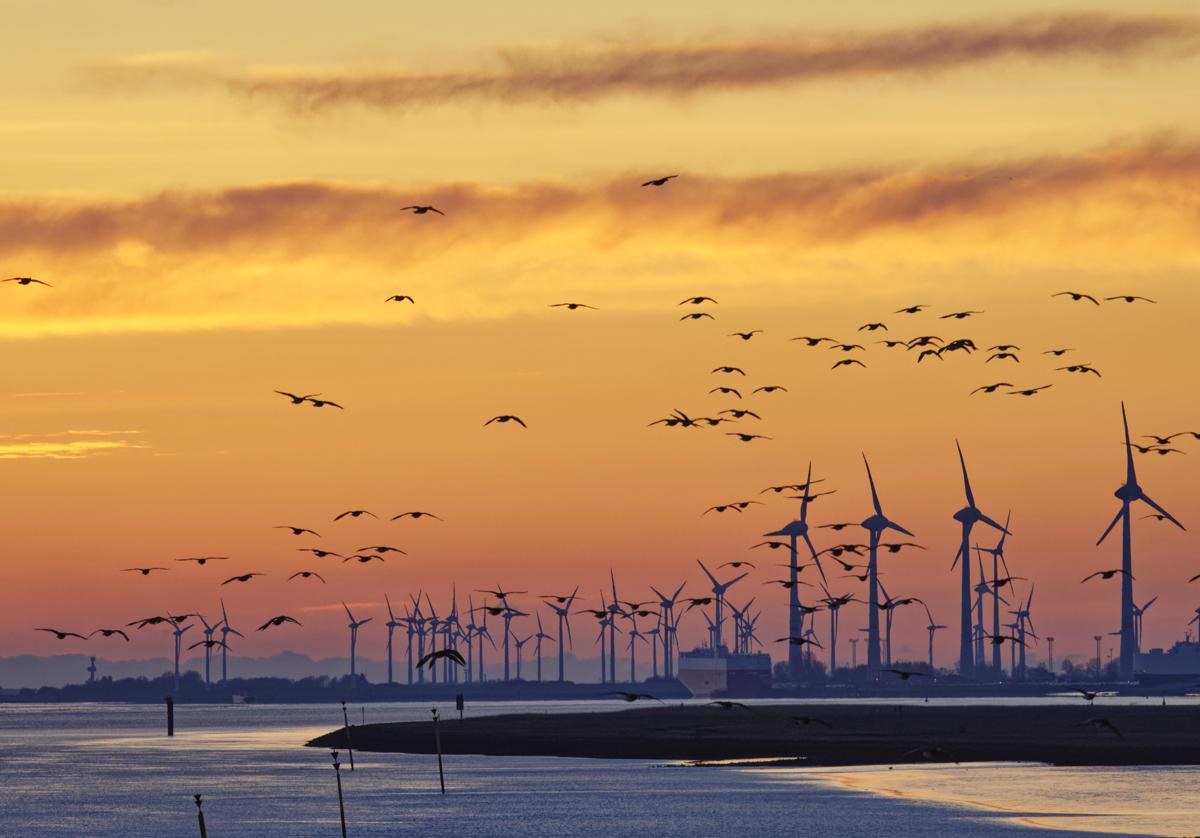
[(1128, 493), (209, 631), (434, 623), (410, 630), (392, 624), (178, 629), (655, 634), (1023, 615), (354, 626), (634, 636), (417, 620), (797, 529), (519, 643), (564, 622), (226, 630), (875, 525), (718, 589), (968, 516), (480, 634), (1137, 622), (666, 611), (997, 554), (933, 628), (614, 609), (540, 636), (834, 605)]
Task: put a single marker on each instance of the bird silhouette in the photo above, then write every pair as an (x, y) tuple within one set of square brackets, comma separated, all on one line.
[(1106, 574), (245, 577), (355, 513), (770, 388), (696, 315), (306, 574), (738, 413), (400, 298), (990, 388), (1079, 368), (1102, 724), (110, 633), (726, 391), (924, 340), (811, 341), (320, 554), (422, 210), (847, 347), (294, 398), (416, 515), (364, 558), (873, 327), (745, 335), (506, 418), (929, 353), (959, 315), (145, 571), (203, 560), (632, 697), (660, 181), (325, 403), (916, 309), (905, 674), (278, 621), (1004, 347), (572, 306), (63, 635), (746, 437), (1087, 695), (836, 527), (296, 530), (1032, 391), (1000, 356), (774, 545), (452, 655), (27, 280), (736, 565), (1057, 353), (1129, 298), (381, 548), (728, 705), (695, 301), (799, 641), (738, 370), (1077, 296), (208, 644), (846, 362)]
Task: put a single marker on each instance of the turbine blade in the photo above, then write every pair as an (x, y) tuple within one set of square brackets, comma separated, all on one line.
[(1147, 500), (891, 525), (985, 519), (1130, 473), (871, 480), (966, 480), (709, 575), (813, 550), (1123, 511)]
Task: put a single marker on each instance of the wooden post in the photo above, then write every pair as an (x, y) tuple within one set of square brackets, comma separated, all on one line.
[(337, 769), (458, 703), (437, 741), (349, 749), (170, 716), (200, 816)]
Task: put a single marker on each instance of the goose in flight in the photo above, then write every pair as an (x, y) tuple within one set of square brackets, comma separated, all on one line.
[(799, 641), (729, 370), (1080, 368), (745, 335), (1077, 296), (145, 571), (736, 565), (696, 315), (786, 584), (208, 644), (381, 548), (847, 347), (959, 315), (836, 527), (1004, 347), (422, 210), (924, 340), (400, 298), (417, 514), (1032, 391), (846, 362), (811, 341), (1106, 574), (892, 344), (897, 546), (296, 530), (63, 635), (1102, 724), (363, 558), (27, 280), (1087, 695), (917, 309), (306, 574), (325, 403), (726, 391), (278, 621), (1166, 440), (926, 353), (632, 697), (110, 633), (1057, 353), (774, 545), (728, 705), (245, 577), (355, 513), (697, 300), (1000, 356), (320, 554), (504, 419), (873, 327), (792, 487), (738, 413), (296, 399), (990, 388), (746, 437), (736, 507), (769, 388), (499, 593), (203, 560), (697, 601), (1129, 298), (452, 655), (905, 674), (572, 306), (660, 181)]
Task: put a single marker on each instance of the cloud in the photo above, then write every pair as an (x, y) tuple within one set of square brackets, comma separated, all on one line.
[(59, 445), (582, 75)]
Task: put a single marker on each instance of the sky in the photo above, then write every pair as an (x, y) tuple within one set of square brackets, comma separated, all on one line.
[(216, 196)]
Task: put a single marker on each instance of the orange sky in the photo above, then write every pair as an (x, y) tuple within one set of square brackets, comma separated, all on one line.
[(213, 232)]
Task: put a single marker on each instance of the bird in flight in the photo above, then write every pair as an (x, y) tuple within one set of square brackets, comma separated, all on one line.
[(728, 705), (572, 306), (28, 280), (1077, 296), (736, 565), (1129, 298), (382, 548), (400, 298), (924, 340), (325, 403), (1080, 368), (1106, 574), (296, 530), (836, 527), (632, 697), (799, 641), (203, 560), (738, 413), (1032, 391), (926, 353), (846, 362), (811, 341), (63, 635), (770, 388), (110, 633), (145, 571), (1057, 353), (505, 418), (696, 315), (363, 559), (872, 327), (295, 399), (417, 515), (892, 344), (697, 300), (420, 210), (905, 674), (745, 335), (355, 513), (990, 388), (320, 554), (208, 644), (660, 181), (452, 655), (738, 370), (774, 545), (245, 577), (847, 347), (917, 309), (959, 315), (1000, 356), (726, 391), (746, 437), (278, 621), (306, 574)]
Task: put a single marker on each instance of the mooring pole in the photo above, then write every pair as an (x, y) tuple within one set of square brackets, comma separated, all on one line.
[(349, 749), (458, 703), (437, 741), (170, 716), (337, 769), (200, 816)]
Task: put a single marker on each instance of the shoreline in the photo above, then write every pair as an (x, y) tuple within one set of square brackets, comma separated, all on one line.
[(834, 735)]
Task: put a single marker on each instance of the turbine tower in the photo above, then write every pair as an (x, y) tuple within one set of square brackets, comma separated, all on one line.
[(875, 525), (354, 626), (797, 529), (968, 516), (1129, 492), (667, 623), (1137, 622), (226, 630), (392, 625), (178, 629), (540, 636), (209, 631), (933, 628), (718, 590), (997, 554), (564, 622)]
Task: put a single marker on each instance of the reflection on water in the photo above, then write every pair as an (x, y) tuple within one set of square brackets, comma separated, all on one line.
[(108, 771)]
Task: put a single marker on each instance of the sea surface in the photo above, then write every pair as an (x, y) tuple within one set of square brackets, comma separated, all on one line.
[(95, 771)]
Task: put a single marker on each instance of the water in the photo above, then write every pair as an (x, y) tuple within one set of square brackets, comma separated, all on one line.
[(108, 770)]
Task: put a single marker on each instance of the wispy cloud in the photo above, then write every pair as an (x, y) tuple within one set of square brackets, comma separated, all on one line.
[(66, 445), (594, 72)]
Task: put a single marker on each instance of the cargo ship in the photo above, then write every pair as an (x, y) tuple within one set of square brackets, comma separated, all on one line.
[(1178, 665), (707, 673)]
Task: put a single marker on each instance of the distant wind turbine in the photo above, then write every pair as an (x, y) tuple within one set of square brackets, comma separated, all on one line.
[(354, 627), (718, 589), (875, 525)]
